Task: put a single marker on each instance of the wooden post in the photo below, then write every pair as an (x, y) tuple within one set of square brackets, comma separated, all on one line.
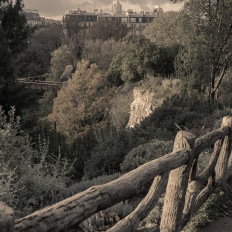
[(218, 161), (131, 222), (7, 218), (195, 184), (177, 185), (221, 166)]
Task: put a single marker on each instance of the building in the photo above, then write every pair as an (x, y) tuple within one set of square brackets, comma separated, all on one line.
[(33, 19), (135, 21), (75, 21)]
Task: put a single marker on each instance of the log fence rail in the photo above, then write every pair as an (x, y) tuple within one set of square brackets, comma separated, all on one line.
[(186, 189)]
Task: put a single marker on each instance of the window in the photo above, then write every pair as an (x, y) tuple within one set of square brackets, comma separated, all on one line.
[(124, 20), (133, 20), (140, 20)]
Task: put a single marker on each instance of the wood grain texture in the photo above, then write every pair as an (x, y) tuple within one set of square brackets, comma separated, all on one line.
[(81, 206), (131, 222), (177, 186)]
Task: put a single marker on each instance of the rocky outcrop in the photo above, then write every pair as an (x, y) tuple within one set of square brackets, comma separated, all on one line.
[(120, 106), (148, 95), (67, 73)]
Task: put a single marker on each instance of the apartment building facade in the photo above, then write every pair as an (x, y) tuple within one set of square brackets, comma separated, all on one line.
[(33, 19), (75, 21)]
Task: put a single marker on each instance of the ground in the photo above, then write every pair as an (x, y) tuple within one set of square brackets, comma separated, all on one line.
[(223, 224)]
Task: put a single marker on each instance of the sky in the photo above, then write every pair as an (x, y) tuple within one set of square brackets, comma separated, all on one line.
[(56, 8)]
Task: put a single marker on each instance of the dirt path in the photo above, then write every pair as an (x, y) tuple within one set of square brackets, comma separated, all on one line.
[(223, 224)]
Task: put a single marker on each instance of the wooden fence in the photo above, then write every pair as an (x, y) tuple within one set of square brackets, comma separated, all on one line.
[(186, 189)]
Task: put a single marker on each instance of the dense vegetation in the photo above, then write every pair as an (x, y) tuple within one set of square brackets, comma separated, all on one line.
[(66, 142)]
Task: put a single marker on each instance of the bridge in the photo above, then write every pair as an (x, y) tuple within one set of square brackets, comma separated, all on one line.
[(176, 174), (39, 85)]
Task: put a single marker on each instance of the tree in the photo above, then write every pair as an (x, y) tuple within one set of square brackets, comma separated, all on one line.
[(82, 104), (164, 64), (14, 34), (207, 29), (106, 30), (35, 60), (61, 57), (29, 179), (101, 52), (134, 61), (164, 31)]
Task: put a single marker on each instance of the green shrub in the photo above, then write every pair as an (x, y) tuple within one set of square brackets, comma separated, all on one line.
[(144, 153), (163, 124), (85, 184), (29, 179)]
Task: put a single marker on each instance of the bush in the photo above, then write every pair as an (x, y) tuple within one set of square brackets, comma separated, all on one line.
[(29, 179), (144, 153), (163, 124), (85, 184)]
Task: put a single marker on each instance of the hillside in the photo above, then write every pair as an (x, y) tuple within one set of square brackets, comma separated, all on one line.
[(125, 102)]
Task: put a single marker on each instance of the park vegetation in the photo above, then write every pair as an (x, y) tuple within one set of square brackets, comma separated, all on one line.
[(69, 141)]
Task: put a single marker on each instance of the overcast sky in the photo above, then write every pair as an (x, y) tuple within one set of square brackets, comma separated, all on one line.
[(56, 8)]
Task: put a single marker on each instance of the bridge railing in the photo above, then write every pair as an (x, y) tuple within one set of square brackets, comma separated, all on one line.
[(177, 172), (41, 85)]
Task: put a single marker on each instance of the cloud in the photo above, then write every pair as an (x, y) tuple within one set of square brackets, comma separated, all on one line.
[(56, 8)]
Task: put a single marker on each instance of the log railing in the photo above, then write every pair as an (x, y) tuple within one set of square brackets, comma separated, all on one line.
[(176, 172)]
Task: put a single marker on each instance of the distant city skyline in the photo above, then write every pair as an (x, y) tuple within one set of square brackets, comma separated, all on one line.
[(55, 9)]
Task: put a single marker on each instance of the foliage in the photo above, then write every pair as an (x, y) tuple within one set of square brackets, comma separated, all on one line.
[(165, 60), (61, 57), (144, 153), (213, 208), (29, 179), (177, 111), (119, 106), (150, 94), (85, 184), (224, 95), (14, 34), (106, 157), (164, 30), (135, 60), (35, 60), (101, 52), (105, 30), (81, 105), (206, 29)]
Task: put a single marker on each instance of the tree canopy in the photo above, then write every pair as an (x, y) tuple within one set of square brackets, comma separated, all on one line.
[(164, 29), (207, 39), (106, 30), (134, 61), (81, 105), (101, 52), (14, 34)]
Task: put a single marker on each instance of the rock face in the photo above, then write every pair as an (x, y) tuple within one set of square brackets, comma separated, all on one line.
[(149, 95), (67, 73), (120, 106), (7, 218), (141, 107)]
